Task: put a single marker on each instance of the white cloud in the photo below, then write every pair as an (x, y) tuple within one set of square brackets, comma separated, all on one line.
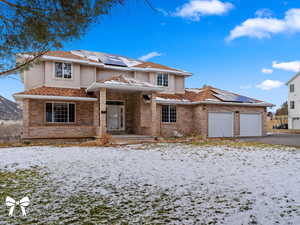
[(246, 87), (149, 56), (293, 66), (267, 71), (265, 27), (194, 9), (270, 84), (264, 13)]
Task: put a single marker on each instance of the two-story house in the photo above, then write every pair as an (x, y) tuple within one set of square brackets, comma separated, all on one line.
[(83, 94), (294, 102)]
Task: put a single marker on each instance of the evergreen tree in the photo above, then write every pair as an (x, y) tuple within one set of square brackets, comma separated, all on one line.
[(40, 25)]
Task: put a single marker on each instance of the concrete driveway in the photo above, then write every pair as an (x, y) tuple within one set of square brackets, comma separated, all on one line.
[(280, 139)]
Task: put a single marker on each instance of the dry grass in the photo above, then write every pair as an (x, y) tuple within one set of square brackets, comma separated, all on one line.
[(233, 143), (10, 132)]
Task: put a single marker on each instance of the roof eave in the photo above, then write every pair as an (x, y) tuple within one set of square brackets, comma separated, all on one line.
[(180, 102), (52, 97), (64, 59), (293, 78), (183, 73), (98, 64), (95, 86)]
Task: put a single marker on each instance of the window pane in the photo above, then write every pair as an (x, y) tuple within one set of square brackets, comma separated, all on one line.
[(292, 88), (72, 113), (58, 70), (159, 79), (292, 104), (60, 112), (165, 114), (172, 113), (49, 112), (166, 80), (67, 70)]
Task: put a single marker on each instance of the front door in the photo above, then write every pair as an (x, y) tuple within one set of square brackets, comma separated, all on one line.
[(115, 117)]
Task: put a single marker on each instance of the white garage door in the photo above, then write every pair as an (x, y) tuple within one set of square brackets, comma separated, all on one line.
[(250, 124), (296, 123), (220, 124)]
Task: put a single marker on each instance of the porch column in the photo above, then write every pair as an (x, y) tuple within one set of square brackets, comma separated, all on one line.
[(154, 118), (97, 118), (26, 115), (102, 111)]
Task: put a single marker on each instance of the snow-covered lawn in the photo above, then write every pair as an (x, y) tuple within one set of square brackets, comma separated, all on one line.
[(152, 184)]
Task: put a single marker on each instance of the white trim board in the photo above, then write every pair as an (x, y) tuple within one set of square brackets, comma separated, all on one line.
[(50, 97)]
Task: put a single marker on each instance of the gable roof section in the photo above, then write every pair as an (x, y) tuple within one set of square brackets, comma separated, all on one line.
[(293, 78), (69, 92), (154, 66), (105, 59), (56, 94)]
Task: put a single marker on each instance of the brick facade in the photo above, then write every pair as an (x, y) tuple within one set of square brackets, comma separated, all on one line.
[(143, 118), (193, 120), (35, 125)]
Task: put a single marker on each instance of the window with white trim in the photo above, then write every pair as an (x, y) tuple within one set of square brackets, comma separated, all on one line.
[(292, 88), (63, 70), (168, 114), (292, 105), (162, 79), (60, 112)]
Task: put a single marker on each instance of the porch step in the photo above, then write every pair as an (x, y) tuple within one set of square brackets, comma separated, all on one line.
[(131, 139)]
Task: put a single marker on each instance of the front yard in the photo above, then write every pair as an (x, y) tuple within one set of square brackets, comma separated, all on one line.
[(152, 184)]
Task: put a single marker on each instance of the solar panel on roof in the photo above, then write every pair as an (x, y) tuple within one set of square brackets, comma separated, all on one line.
[(112, 60), (229, 97)]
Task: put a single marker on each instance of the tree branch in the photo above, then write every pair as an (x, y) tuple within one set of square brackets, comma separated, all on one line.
[(150, 5), (24, 64), (20, 7)]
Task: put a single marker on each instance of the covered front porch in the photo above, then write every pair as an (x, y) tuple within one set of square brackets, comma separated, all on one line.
[(125, 109)]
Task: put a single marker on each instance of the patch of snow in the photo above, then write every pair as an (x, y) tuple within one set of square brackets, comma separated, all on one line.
[(221, 184), (170, 99), (130, 81), (196, 90)]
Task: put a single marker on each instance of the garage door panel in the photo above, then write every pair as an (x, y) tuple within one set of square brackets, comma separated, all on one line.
[(296, 123), (250, 124), (220, 124)]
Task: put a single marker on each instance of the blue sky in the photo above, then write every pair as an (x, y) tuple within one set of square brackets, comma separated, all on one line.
[(224, 43)]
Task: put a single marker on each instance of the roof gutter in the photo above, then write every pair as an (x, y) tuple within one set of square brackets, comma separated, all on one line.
[(51, 97), (53, 58), (95, 86), (147, 70), (180, 102)]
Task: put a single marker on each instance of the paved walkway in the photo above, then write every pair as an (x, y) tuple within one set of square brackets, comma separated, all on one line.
[(280, 139)]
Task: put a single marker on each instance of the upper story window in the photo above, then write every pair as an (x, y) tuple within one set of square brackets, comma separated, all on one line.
[(292, 88), (168, 114), (63, 70), (162, 79), (292, 105), (60, 112)]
